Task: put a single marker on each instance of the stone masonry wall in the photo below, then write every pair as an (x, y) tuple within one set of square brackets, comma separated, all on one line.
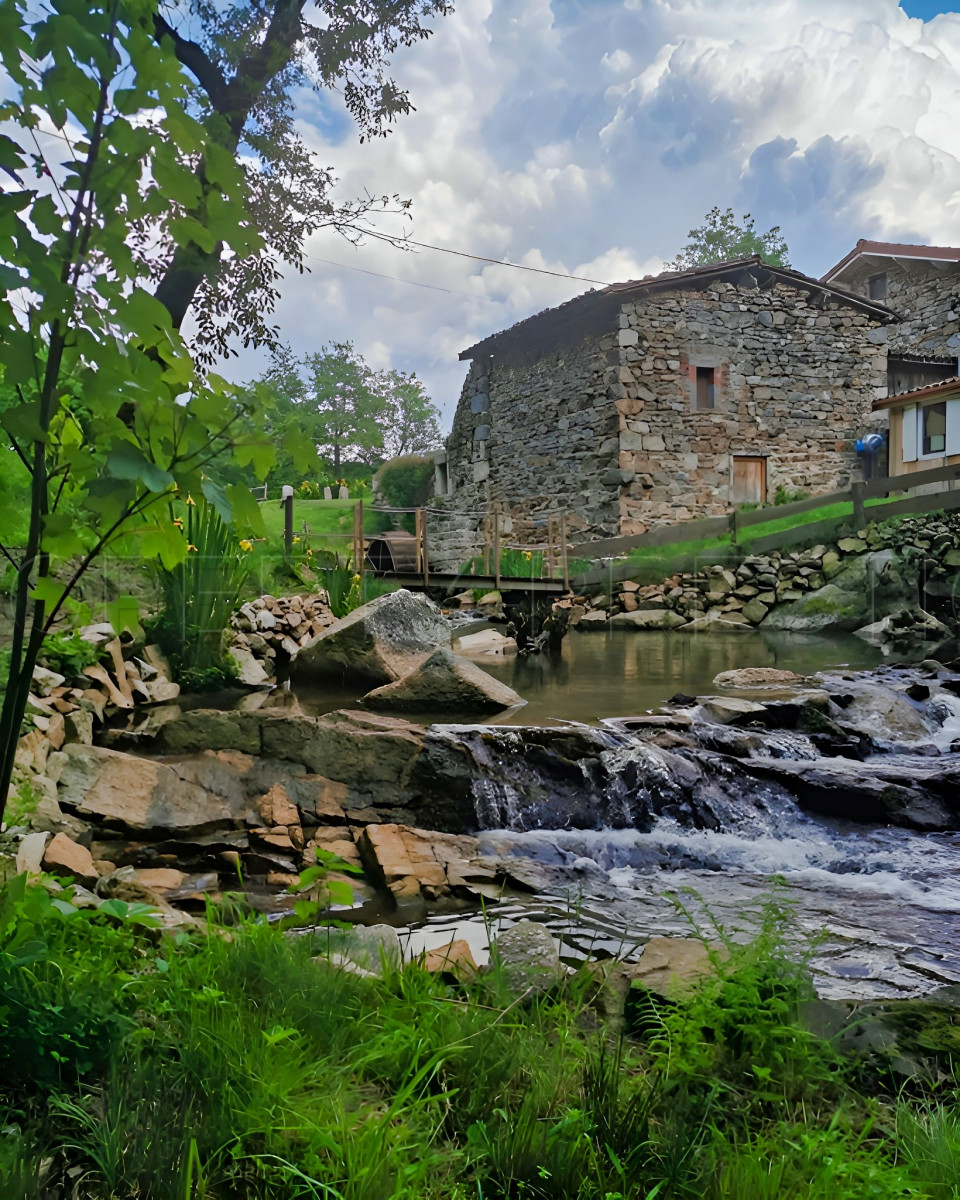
[(928, 299), (533, 439), (795, 384)]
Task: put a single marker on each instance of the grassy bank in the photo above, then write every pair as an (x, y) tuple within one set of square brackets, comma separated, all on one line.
[(231, 1064)]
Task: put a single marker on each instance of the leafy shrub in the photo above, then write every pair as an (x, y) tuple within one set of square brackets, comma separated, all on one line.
[(68, 653), (346, 590), (406, 482), (784, 496)]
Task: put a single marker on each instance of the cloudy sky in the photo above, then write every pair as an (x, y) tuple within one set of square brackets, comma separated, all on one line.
[(587, 136)]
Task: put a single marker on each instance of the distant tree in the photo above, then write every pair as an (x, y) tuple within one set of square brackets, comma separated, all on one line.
[(721, 238), (332, 403), (347, 410), (411, 421)]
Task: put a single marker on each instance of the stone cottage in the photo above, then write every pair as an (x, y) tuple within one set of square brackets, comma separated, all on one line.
[(922, 285), (663, 399)]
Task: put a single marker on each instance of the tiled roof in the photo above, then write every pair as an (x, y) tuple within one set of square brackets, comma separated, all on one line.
[(894, 250), (930, 389), (583, 314)]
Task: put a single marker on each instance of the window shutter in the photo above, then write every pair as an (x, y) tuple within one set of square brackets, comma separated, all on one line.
[(953, 427), (909, 433)]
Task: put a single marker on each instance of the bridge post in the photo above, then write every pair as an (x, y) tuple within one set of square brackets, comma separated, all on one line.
[(564, 556), (859, 511)]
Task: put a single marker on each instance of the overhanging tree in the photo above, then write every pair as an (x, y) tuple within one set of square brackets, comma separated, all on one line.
[(247, 60), (103, 406)]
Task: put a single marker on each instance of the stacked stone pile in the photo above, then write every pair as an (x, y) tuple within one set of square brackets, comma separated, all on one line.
[(272, 629), (892, 583), (62, 711)]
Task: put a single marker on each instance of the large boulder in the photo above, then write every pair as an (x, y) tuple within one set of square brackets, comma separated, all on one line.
[(867, 589), (375, 644), (105, 786), (528, 957), (444, 683)]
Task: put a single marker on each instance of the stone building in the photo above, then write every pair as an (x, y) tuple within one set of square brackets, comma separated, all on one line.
[(660, 400), (922, 285)]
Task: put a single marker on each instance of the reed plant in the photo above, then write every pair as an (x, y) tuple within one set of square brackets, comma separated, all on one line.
[(197, 597)]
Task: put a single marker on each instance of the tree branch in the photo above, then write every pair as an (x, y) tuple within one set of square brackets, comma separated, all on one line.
[(195, 59)]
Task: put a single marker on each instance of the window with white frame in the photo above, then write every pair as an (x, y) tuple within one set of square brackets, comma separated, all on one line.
[(931, 430)]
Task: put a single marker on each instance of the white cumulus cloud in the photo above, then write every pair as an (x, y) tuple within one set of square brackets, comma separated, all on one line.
[(587, 140)]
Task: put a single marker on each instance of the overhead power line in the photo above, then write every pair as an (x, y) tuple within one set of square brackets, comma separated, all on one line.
[(497, 262), (433, 287)]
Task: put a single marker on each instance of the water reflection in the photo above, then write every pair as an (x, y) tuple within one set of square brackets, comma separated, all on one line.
[(621, 672)]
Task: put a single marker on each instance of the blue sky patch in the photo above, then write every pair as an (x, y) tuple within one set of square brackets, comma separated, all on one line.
[(925, 9)]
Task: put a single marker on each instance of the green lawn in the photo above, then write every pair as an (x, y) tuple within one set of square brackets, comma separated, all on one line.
[(323, 523)]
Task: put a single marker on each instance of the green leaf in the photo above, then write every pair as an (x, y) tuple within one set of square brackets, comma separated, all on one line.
[(340, 892), (218, 498), (127, 462), (124, 613), (246, 511), (47, 591), (188, 231)]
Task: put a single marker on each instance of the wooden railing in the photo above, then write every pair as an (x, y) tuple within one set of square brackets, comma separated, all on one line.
[(736, 520)]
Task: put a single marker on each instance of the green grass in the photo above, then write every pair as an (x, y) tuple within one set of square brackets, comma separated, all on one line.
[(654, 563), (236, 1065)]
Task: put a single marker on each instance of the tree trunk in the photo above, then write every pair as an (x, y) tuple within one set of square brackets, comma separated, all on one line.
[(232, 100)]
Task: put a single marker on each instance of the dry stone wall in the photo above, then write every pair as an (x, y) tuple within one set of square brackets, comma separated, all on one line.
[(795, 385), (533, 439), (927, 297)]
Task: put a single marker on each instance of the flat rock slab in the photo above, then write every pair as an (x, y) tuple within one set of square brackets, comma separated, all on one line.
[(375, 644), (647, 618), (757, 677), (444, 683), (727, 710), (136, 793), (918, 793)]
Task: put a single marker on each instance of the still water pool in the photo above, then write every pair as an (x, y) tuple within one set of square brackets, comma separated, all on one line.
[(619, 673)]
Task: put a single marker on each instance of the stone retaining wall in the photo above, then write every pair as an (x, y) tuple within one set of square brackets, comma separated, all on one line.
[(902, 577)]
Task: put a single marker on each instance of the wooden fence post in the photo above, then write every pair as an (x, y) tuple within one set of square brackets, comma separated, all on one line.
[(564, 552), (859, 512), (358, 547), (550, 538), (425, 548), (733, 525), (496, 549), (288, 519), (486, 544)]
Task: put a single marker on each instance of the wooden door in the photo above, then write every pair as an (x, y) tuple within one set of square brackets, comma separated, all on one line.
[(749, 480)]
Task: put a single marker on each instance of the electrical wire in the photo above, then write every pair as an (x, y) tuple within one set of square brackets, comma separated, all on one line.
[(398, 243)]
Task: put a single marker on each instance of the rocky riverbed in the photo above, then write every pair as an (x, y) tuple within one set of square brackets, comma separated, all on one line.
[(844, 782)]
